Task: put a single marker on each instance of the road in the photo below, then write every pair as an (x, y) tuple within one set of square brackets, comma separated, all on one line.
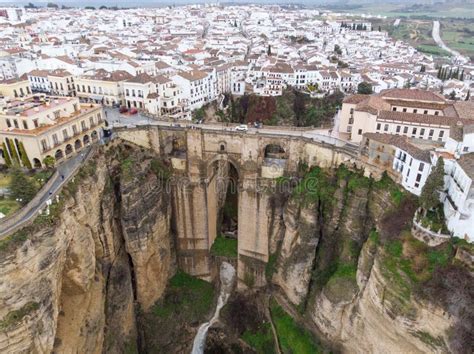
[(65, 169), (118, 120), (437, 38)]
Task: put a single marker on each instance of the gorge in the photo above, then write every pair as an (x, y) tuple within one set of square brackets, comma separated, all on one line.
[(106, 270)]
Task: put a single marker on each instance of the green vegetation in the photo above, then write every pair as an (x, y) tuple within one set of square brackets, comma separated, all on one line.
[(224, 247), (364, 88), (434, 185), (270, 266), (127, 168), (14, 317), (260, 339), (49, 161), (186, 297), (11, 242), (6, 155), (432, 49), (342, 284), (291, 108), (21, 188), (435, 220), (315, 186), (25, 161), (15, 157), (160, 170), (8, 206), (407, 262), (293, 338), (387, 184), (429, 339)]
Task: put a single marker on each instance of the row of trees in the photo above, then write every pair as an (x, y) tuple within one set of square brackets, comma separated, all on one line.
[(358, 27), (447, 73)]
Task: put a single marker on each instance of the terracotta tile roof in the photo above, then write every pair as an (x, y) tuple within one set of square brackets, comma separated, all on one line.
[(193, 75), (373, 104), (141, 79), (418, 118), (464, 109), (400, 142), (413, 94), (355, 99), (466, 161)]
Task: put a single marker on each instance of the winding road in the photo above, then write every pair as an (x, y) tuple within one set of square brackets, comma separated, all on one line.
[(437, 38), (62, 175)]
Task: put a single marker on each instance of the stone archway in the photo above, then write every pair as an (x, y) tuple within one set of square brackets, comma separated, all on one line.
[(69, 149), (222, 190), (36, 163), (58, 155), (77, 144)]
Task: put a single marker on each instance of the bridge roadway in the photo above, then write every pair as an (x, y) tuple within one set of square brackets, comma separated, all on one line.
[(71, 166), (318, 135)]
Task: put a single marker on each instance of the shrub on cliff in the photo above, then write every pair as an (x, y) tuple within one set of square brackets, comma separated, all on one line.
[(429, 198)]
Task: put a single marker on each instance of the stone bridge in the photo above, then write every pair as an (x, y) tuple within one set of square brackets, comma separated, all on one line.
[(258, 158)]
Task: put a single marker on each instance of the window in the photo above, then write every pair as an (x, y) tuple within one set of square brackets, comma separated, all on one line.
[(378, 126), (413, 131), (422, 165), (465, 149), (418, 177), (83, 125), (441, 133), (65, 134), (415, 110), (44, 144), (35, 123), (431, 133), (352, 111), (75, 107), (91, 120), (9, 124), (405, 130), (385, 128), (398, 129), (55, 139), (425, 112), (404, 110), (436, 113), (74, 129), (360, 131), (422, 131), (15, 123), (57, 114), (25, 124), (99, 117), (394, 109), (417, 185)]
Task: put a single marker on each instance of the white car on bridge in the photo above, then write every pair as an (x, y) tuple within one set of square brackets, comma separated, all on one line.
[(242, 128)]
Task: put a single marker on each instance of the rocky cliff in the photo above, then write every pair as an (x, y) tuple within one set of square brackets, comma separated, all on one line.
[(348, 263), (74, 280)]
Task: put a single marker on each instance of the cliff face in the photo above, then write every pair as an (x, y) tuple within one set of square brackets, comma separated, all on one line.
[(349, 264), (71, 281)]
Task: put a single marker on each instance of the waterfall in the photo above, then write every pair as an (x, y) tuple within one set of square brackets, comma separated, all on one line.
[(227, 277)]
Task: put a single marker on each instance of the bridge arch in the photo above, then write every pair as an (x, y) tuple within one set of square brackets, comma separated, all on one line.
[(222, 196)]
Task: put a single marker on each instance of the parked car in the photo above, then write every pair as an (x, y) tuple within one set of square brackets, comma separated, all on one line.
[(242, 128), (133, 111), (123, 109), (258, 125)]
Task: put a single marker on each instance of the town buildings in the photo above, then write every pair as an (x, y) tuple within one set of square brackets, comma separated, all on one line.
[(46, 126)]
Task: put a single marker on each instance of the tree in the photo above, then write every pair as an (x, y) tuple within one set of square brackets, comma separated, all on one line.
[(21, 188), (49, 161), (439, 72), (364, 88), (434, 185), (299, 107), (468, 96), (269, 50), (103, 7), (6, 155), (337, 49), (452, 95), (24, 156), (52, 5), (461, 78), (30, 6), (13, 153), (380, 29)]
